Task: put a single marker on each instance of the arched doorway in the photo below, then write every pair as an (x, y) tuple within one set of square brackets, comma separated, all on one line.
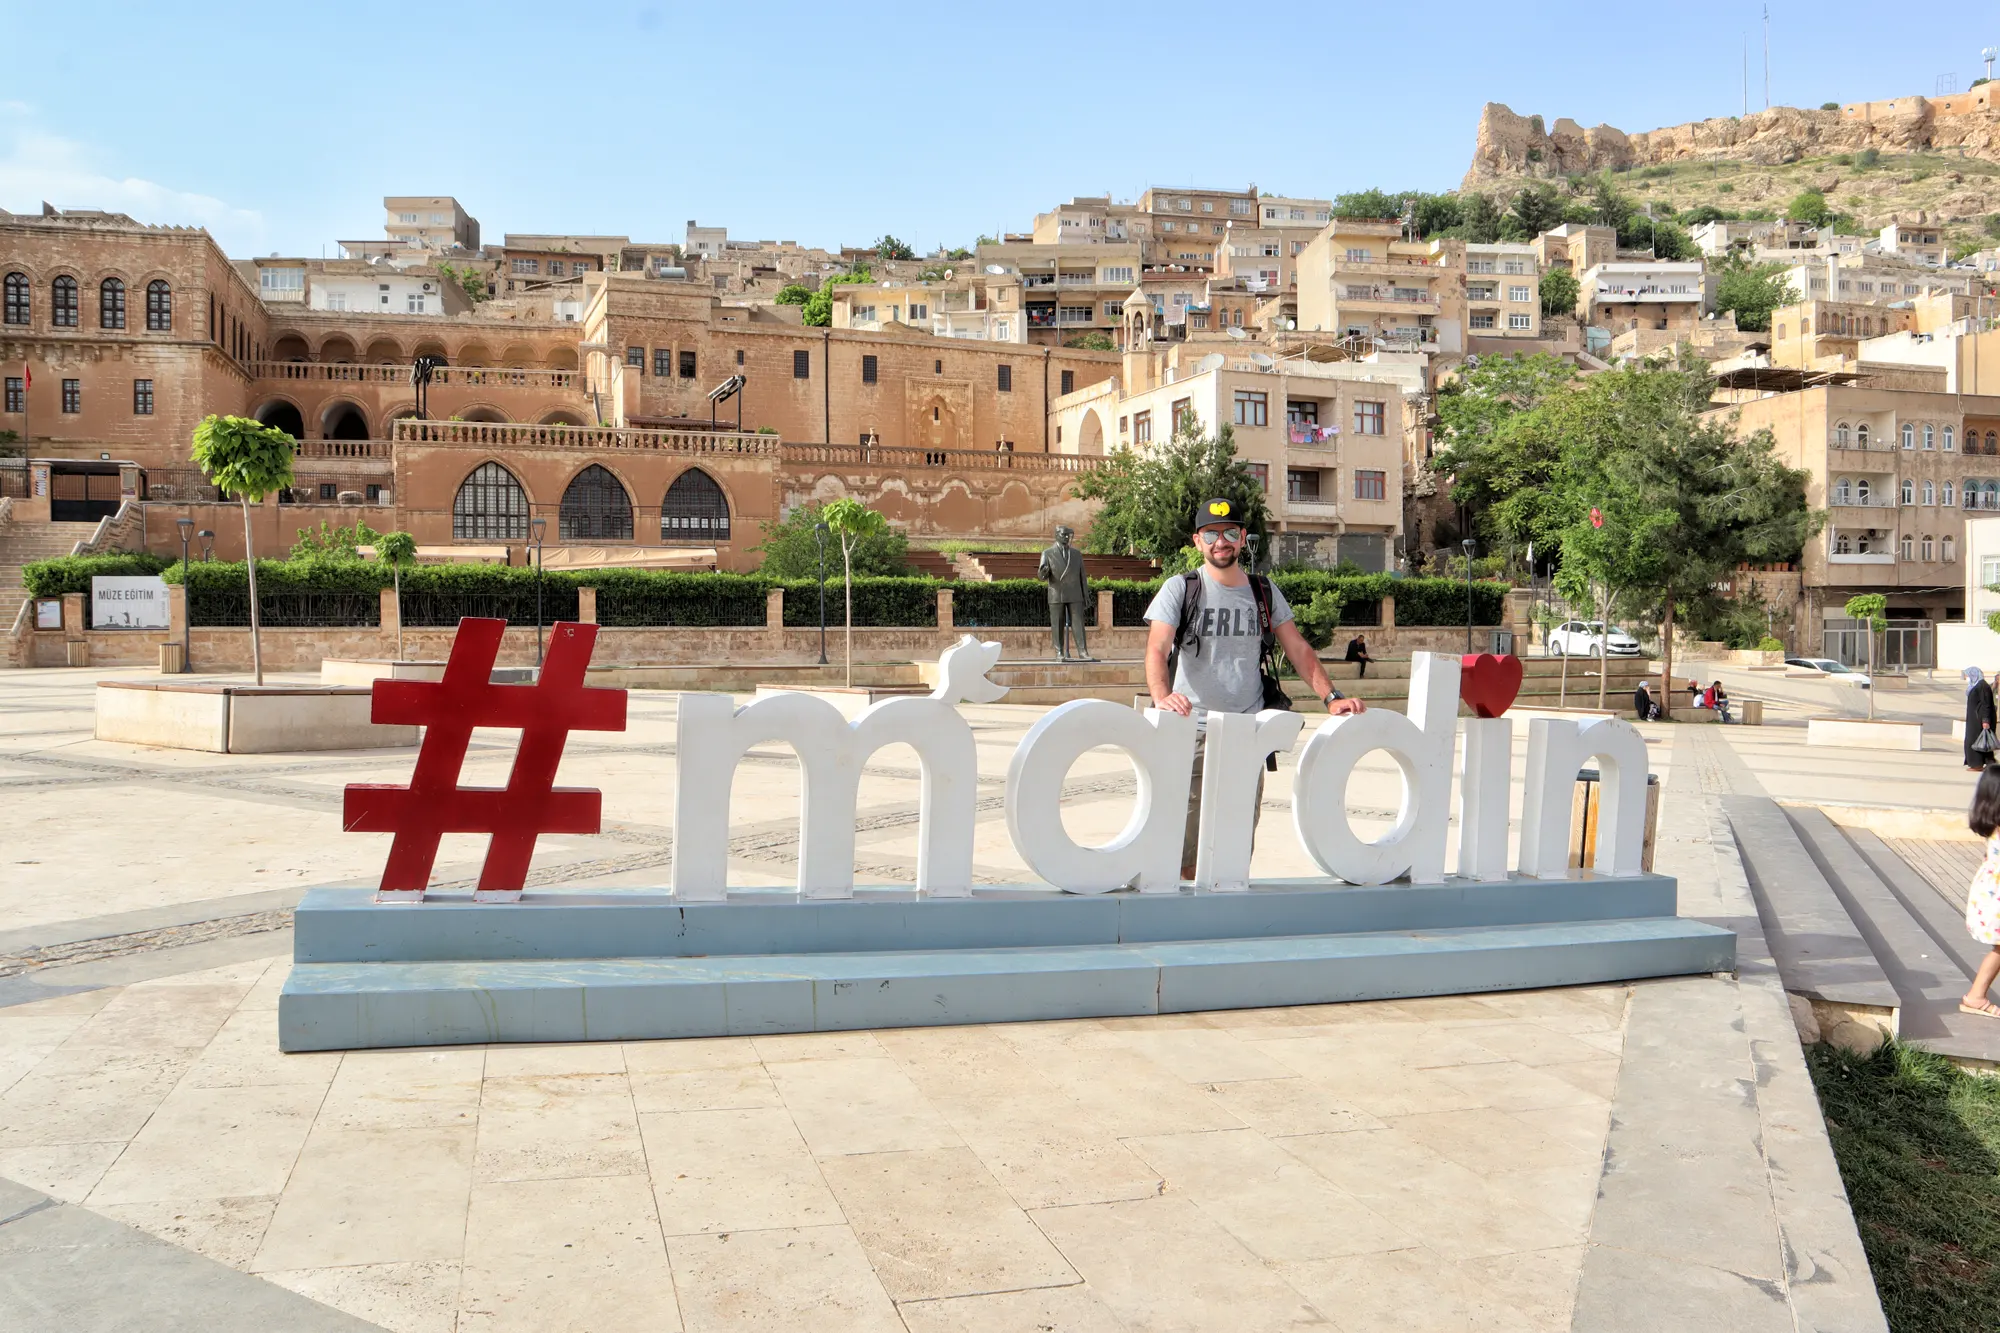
[(337, 350), (291, 347), (561, 418), (1090, 440), (490, 414), (344, 421), (474, 354), (562, 359), (385, 352), (284, 416), (595, 508), (490, 507), (695, 510)]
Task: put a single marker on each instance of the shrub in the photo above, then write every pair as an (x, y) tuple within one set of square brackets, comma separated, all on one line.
[(1320, 617), (878, 602), (1768, 644), (1867, 157), (73, 573)]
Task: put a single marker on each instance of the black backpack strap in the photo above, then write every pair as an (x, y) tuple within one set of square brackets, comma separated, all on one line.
[(1186, 637)]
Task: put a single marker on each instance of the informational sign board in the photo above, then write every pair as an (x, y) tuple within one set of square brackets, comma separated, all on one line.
[(48, 613), (129, 602)]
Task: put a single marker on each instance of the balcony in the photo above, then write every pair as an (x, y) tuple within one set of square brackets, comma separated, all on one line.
[(485, 377), (1861, 558), (495, 435), (1387, 304)]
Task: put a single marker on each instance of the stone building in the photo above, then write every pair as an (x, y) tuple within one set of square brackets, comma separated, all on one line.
[(132, 334)]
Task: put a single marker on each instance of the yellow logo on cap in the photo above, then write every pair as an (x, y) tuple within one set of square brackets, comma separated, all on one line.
[(1219, 508)]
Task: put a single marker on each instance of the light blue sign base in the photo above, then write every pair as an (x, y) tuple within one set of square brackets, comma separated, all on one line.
[(566, 967)]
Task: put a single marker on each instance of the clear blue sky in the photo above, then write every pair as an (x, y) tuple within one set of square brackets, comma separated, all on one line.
[(281, 126)]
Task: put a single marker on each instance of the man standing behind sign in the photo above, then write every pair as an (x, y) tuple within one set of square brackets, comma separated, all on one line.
[(1217, 626)]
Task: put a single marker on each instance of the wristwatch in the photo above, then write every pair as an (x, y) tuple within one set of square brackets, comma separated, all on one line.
[(1332, 693)]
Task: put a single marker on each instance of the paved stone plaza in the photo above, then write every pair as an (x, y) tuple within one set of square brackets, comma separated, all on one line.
[(1645, 1156)]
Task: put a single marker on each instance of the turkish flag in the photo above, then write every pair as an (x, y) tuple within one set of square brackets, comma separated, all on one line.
[(27, 376)]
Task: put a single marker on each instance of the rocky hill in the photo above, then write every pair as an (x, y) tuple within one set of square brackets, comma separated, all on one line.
[(1931, 164)]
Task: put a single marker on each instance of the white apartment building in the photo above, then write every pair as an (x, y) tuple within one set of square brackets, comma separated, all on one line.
[(1916, 241), (1503, 291), (1626, 294), (429, 222), (1275, 212), (1874, 278), (379, 292), (1359, 279), (707, 242)]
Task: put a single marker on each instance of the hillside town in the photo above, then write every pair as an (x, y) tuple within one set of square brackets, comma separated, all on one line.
[(678, 395)]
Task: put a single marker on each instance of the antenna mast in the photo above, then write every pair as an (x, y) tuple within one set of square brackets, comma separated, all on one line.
[(1767, 57)]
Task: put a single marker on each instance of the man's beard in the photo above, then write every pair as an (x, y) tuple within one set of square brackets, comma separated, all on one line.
[(1219, 560)]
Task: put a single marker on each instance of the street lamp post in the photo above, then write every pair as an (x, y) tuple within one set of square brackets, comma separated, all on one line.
[(207, 536), (819, 536), (539, 526), (1468, 545), (186, 525)]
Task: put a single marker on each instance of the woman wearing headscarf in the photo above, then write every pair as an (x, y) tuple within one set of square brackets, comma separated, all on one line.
[(1643, 705), (1978, 715)]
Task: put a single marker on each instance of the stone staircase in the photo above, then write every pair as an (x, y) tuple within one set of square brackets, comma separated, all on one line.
[(23, 544), (1860, 934)]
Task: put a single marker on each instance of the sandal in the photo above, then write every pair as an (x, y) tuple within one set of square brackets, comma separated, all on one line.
[(1985, 1009)]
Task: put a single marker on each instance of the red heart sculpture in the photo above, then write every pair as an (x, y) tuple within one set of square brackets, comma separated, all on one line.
[(1489, 682)]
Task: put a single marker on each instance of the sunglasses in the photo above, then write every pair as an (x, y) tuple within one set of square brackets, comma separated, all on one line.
[(1210, 536)]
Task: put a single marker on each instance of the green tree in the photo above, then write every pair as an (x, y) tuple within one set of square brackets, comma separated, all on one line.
[(467, 280), (1097, 340), (1753, 291), (248, 460), (1480, 219), (790, 548), (1835, 106), (818, 313), (793, 293), (1867, 158), (1368, 204), (327, 542), (1534, 210), (958, 252), (1682, 500), (1497, 448), (1869, 608), (891, 248), (1559, 292), (1148, 498), (852, 523), (1612, 209), (397, 549), (1701, 213), (1809, 207)]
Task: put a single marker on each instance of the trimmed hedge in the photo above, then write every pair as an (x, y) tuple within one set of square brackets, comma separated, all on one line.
[(73, 573), (440, 594)]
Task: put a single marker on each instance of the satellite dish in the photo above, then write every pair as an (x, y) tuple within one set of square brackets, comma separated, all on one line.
[(997, 270), (1213, 361), (1238, 334), (1262, 360)]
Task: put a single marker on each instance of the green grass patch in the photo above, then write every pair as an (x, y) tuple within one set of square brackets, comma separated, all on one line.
[(1918, 1143)]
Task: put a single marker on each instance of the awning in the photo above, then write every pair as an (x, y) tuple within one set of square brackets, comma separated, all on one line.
[(450, 555), (628, 557)]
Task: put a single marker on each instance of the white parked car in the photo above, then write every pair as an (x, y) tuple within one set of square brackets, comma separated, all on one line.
[(1832, 670), (1586, 638)]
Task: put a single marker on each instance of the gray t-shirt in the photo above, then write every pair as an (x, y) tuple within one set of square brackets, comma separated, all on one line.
[(1221, 677)]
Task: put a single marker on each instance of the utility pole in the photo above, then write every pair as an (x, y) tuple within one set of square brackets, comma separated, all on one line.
[(1767, 57)]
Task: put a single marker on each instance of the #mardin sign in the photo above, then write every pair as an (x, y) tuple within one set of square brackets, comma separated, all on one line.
[(715, 734)]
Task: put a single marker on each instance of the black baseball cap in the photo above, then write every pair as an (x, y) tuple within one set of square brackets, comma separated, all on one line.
[(1216, 512)]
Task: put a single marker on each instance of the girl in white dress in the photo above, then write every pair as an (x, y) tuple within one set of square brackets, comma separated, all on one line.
[(1982, 901)]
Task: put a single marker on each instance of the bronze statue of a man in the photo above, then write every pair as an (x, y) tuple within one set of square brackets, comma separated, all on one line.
[(1062, 569)]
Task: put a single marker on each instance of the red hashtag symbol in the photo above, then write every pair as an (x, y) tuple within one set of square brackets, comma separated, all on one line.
[(530, 804)]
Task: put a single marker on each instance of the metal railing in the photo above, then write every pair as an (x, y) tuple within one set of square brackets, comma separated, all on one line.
[(515, 606), (286, 610)]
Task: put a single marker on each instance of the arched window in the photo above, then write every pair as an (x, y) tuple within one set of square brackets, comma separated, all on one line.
[(1861, 435), (695, 510), (1840, 434), (62, 302), (17, 304), (490, 506), (1929, 550), (1992, 492), (1948, 548), (1992, 443), (111, 304), (1909, 491), (1950, 495), (1930, 436), (595, 508), (1781, 333), (1909, 546), (159, 306), (1843, 491), (1909, 436), (1948, 445), (1805, 327), (1930, 493), (1863, 490), (1841, 544)]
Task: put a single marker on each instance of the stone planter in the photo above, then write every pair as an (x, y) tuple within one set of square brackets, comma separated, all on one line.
[(1855, 733), (242, 719)]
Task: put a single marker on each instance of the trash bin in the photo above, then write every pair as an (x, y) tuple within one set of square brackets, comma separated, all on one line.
[(170, 660), (1583, 819), (1503, 642)]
